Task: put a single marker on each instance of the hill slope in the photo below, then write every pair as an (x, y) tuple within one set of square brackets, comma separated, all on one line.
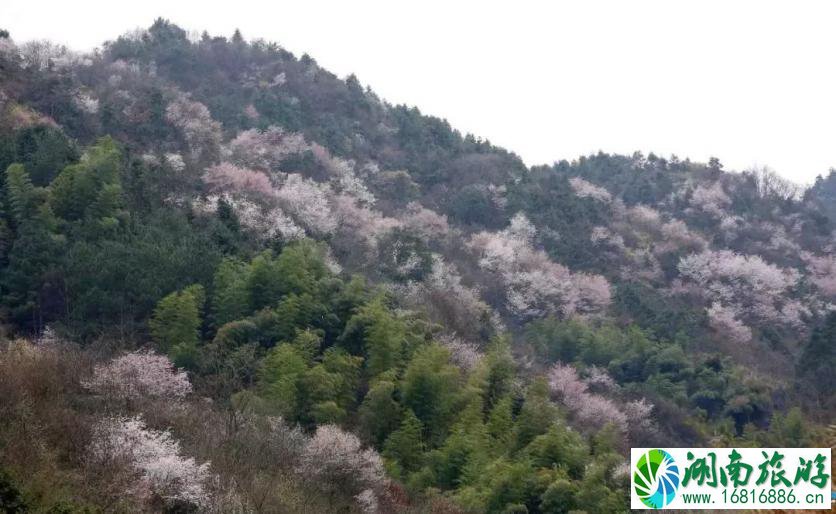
[(324, 264)]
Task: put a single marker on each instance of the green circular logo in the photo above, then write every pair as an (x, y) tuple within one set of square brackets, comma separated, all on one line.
[(656, 478)]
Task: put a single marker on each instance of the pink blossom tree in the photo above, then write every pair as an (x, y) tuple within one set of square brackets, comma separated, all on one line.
[(226, 177), (264, 150), (264, 221), (745, 287), (592, 411), (194, 121), (535, 285), (724, 320)]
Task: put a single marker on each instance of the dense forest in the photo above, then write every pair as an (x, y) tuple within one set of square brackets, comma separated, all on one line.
[(231, 281)]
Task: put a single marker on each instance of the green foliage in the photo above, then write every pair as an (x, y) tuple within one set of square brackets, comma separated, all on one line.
[(536, 415), (548, 200), (405, 447), (229, 299), (379, 413), (90, 189), (279, 379), (42, 150), (22, 195), (560, 447), (657, 368), (296, 270), (175, 324), (384, 336), (11, 500), (95, 244), (428, 388), (329, 387), (817, 365)]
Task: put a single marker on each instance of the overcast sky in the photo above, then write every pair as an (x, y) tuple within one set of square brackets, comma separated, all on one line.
[(751, 82)]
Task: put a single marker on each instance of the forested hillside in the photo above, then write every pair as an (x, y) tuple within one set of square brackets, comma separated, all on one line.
[(232, 282)]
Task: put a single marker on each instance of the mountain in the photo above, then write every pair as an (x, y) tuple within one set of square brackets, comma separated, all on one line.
[(232, 281)]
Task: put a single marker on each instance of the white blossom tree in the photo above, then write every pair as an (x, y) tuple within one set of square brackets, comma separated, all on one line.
[(155, 456), (744, 288), (536, 285), (264, 150), (711, 199), (307, 202), (335, 460), (226, 177), (585, 189), (139, 375), (194, 121)]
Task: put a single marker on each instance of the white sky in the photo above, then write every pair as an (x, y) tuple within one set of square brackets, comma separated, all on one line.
[(751, 82)]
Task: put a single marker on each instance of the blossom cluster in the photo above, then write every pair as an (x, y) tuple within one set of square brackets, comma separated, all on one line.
[(264, 150), (334, 459), (592, 411), (742, 286), (585, 189), (139, 375), (201, 133), (535, 284), (155, 455)]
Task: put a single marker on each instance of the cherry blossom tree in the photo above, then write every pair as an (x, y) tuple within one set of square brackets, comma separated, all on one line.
[(535, 285), (226, 177), (585, 189), (335, 460), (822, 270), (711, 199), (604, 236), (362, 223), (426, 223), (139, 375), (367, 501), (744, 287), (175, 161), (725, 321), (264, 150), (201, 133), (465, 355), (155, 456), (644, 217), (591, 411), (264, 222), (307, 202), (677, 236), (447, 300), (348, 183), (86, 102)]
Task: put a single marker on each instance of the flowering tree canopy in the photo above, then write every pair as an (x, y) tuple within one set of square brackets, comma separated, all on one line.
[(155, 455), (139, 375)]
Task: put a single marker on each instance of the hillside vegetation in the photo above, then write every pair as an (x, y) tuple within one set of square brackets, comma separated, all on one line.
[(232, 282)]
